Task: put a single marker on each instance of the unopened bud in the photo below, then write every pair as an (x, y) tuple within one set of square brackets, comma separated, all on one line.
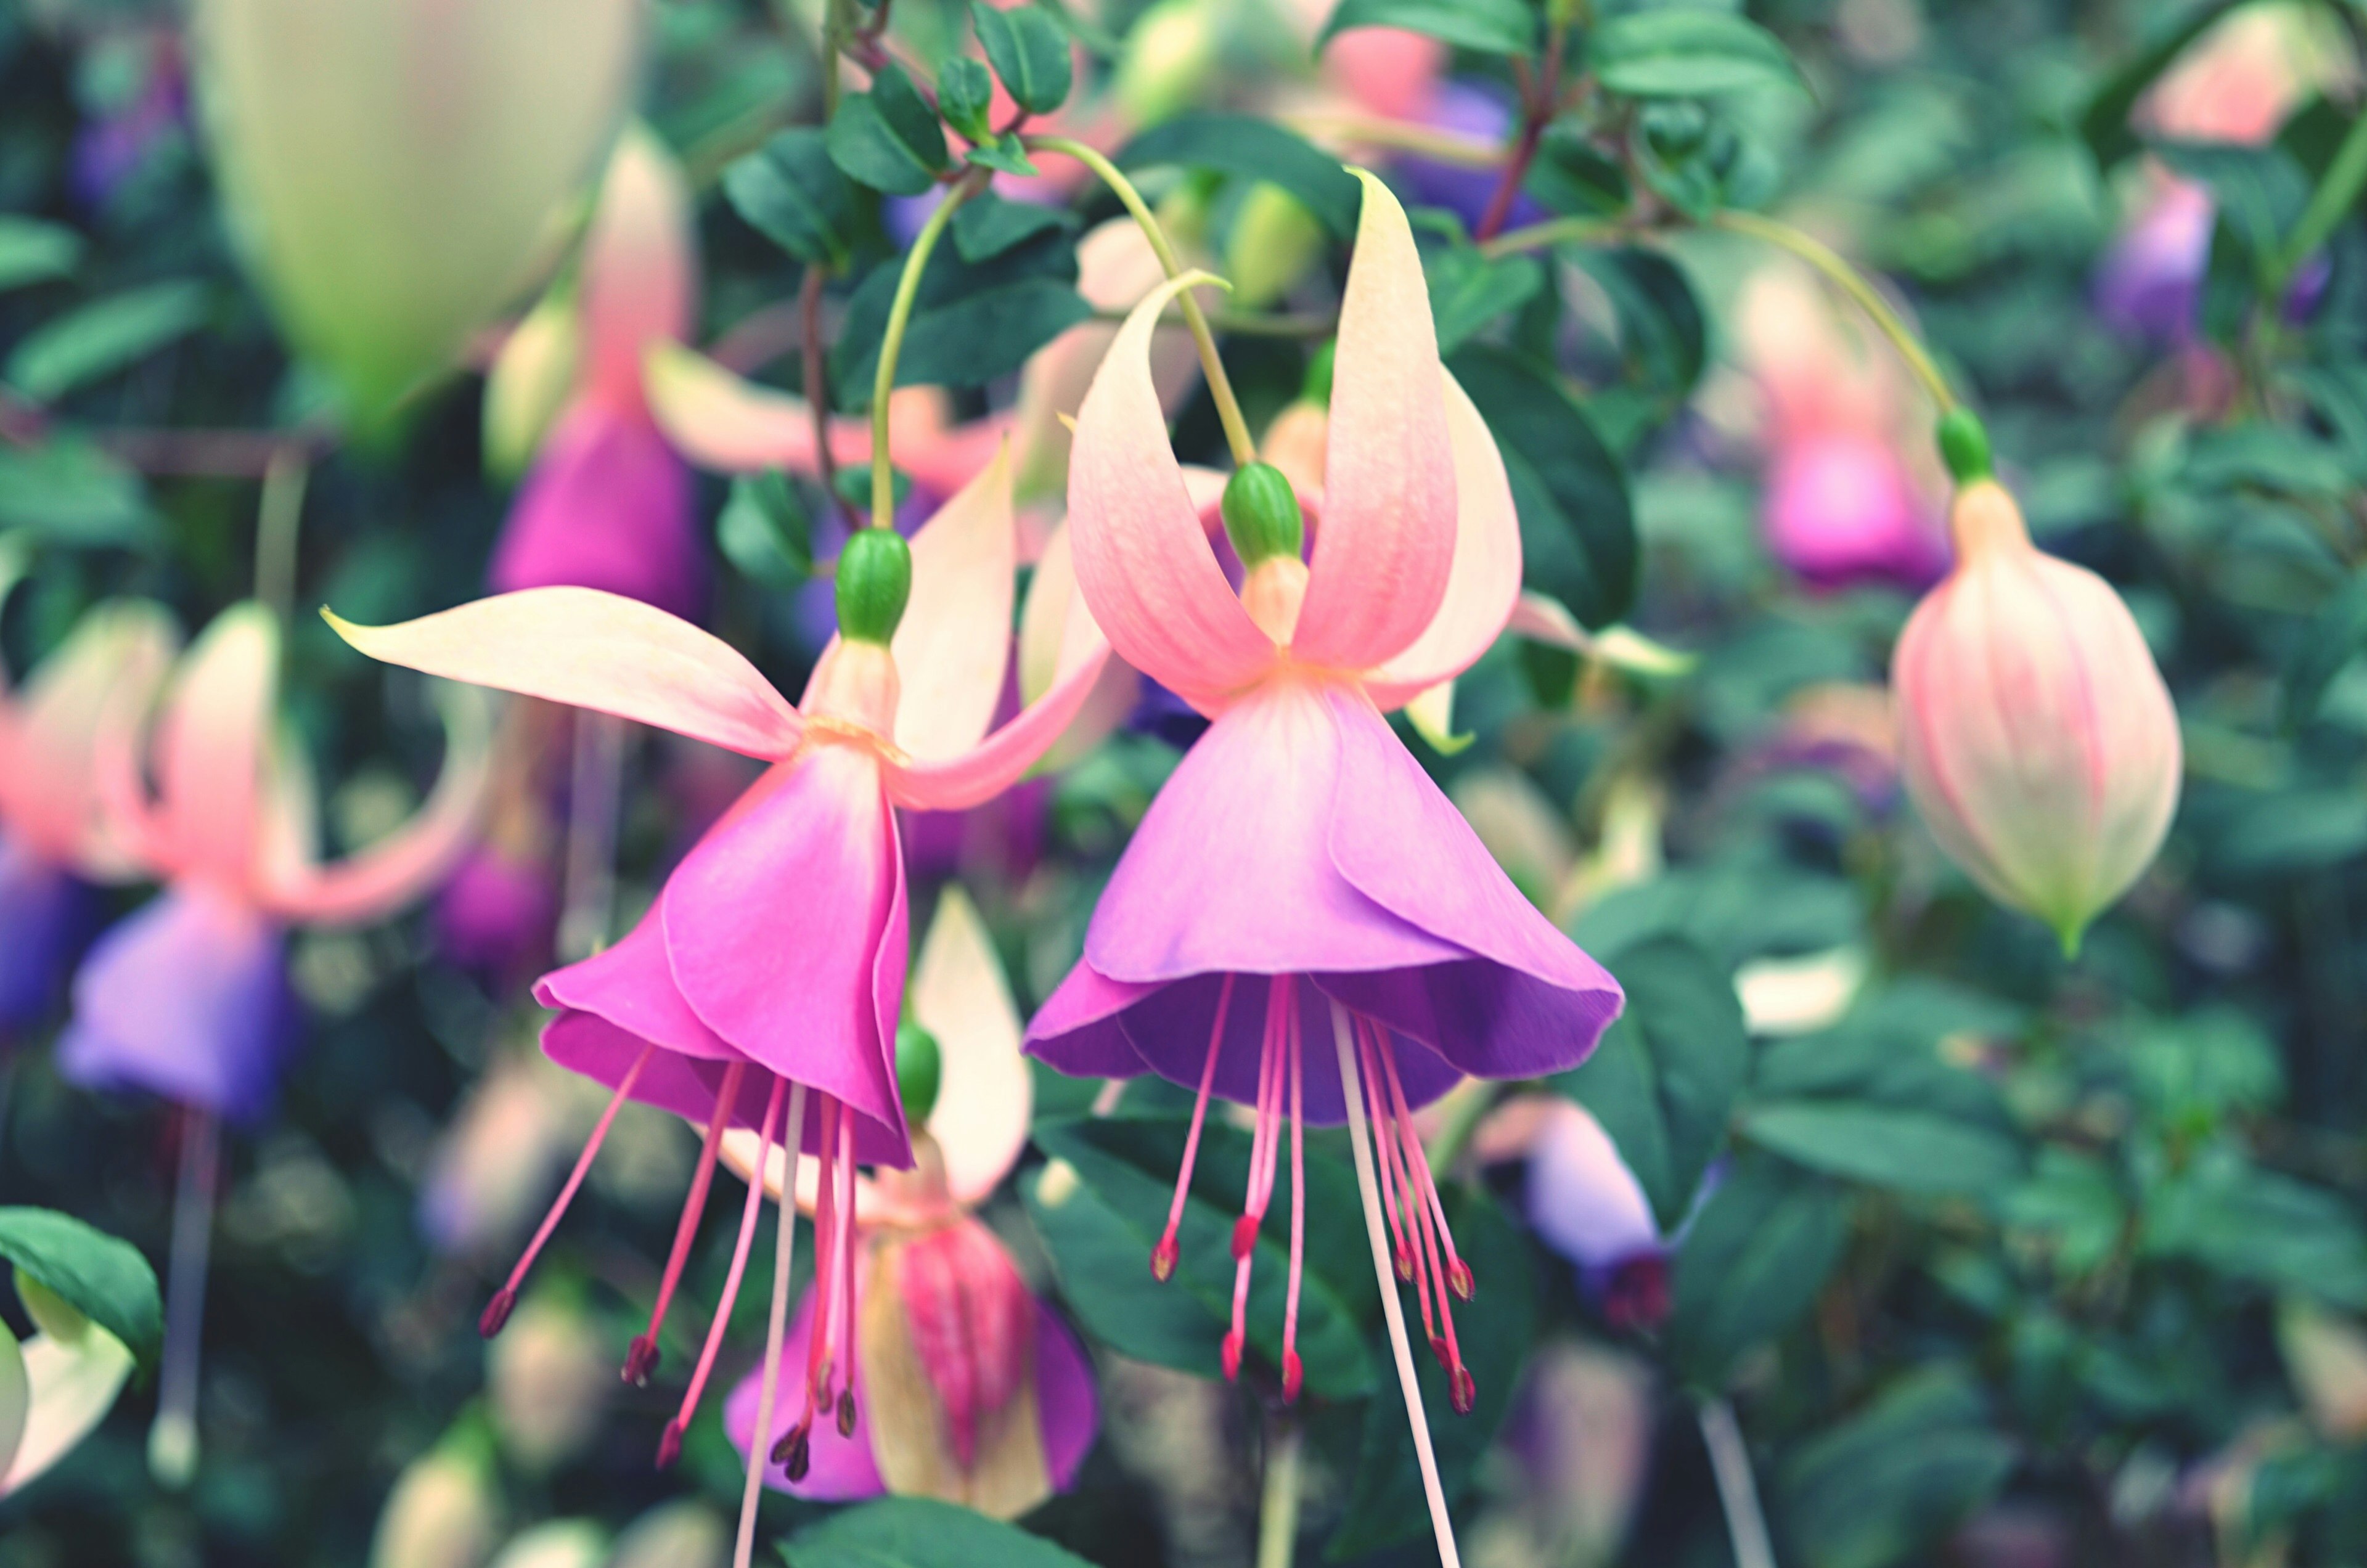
[(1170, 54), (875, 580), (920, 1069), (1261, 515), (1964, 446)]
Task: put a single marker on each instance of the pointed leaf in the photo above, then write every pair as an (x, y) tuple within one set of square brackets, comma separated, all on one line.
[(103, 337), (1029, 51), (792, 192), (888, 138), (103, 1279)]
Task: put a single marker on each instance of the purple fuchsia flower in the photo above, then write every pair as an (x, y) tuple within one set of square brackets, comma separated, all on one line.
[(1300, 873), (1585, 1203), (771, 968), (55, 839), (977, 1392), (607, 503)]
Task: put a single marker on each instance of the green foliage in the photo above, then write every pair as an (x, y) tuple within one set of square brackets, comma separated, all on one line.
[(107, 336), (766, 532), (1686, 53), (1029, 53), (916, 1532), (100, 1277), (794, 193), (889, 138), (971, 320), (1256, 150), (1485, 27)]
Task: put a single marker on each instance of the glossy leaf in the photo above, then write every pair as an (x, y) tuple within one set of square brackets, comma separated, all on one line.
[(1889, 1482), (35, 252), (72, 493), (1906, 1151), (794, 193), (1029, 51), (1468, 291), (970, 323), (764, 531), (889, 138), (987, 225), (920, 1532), (103, 1279), (1687, 53), (1757, 1254)]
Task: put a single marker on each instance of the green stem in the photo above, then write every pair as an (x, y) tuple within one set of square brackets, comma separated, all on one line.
[(1850, 281), (833, 43), (279, 513), (1278, 1509), (900, 312), (2337, 193), (1557, 231), (1220, 389)]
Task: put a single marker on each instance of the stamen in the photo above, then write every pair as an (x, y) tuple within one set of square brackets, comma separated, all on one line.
[(1462, 1388), (1245, 1228), (1401, 1255), (785, 1237), (1458, 1273), (173, 1438), (844, 1336), (1163, 1258), (670, 1441), (1292, 1374), (1392, 1156), (642, 1359), (819, 1367), (497, 1310)]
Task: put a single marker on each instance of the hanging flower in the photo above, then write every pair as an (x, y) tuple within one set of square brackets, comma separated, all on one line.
[(975, 1392), (1585, 1203), (1299, 872), (774, 954)]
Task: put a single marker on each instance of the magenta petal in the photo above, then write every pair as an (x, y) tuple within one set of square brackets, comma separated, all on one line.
[(607, 506), (1066, 1406), (1076, 1030), (785, 933), (841, 1468), (187, 999)]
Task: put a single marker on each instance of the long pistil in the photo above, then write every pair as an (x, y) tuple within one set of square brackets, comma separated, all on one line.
[(785, 1237)]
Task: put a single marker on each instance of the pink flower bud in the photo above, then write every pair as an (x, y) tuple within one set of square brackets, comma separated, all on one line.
[(2035, 734)]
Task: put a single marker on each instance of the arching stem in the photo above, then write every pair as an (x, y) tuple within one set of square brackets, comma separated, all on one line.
[(785, 1237), (1220, 388), (173, 1440), (280, 514), (1852, 282), (891, 342)]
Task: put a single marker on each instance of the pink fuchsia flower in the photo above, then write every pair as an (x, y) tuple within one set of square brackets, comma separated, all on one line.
[(607, 503), (2035, 736), (1585, 1203), (1299, 872), (187, 999), (977, 1392), (774, 954), (55, 839), (499, 912)]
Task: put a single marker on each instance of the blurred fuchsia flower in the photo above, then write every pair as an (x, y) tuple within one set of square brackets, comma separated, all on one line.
[(2035, 735), (55, 839), (607, 503), (1299, 872), (975, 1392), (499, 909), (774, 954), (1585, 1203)]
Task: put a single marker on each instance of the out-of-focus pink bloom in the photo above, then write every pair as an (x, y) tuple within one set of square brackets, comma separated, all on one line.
[(975, 1393), (496, 1159), (607, 503), (1585, 1203), (1270, 891), (774, 953), (187, 999), (1844, 729), (2036, 737), (2151, 278), (55, 839), (499, 910)]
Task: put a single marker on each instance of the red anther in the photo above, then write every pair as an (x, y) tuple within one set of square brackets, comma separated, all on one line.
[(1232, 1356), (1293, 1374), (791, 1439), (497, 1311), (1163, 1260), (800, 1457), (669, 1445), (846, 1413), (1405, 1265), (1462, 1391), (1438, 1349), (1459, 1279), (641, 1360), (1245, 1234)]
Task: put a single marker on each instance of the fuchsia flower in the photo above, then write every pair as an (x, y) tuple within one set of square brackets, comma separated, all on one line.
[(774, 953), (1299, 872), (607, 503), (977, 1393), (55, 839), (1585, 1203)]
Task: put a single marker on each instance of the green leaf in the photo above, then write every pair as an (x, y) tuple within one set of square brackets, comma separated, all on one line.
[(1910, 1151), (1005, 154), (766, 533), (1687, 53), (971, 320), (1484, 27), (35, 252), (965, 93), (1103, 1212), (2333, 637), (100, 1277), (1028, 51), (1663, 336), (1578, 530), (1495, 1331), (2104, 125), (1575, 178), (791, 192), (1757, 1255), (71, 493), (1887, 1485), (985, 225), (1253, 149), (1666, 1073), (1467, 291), (920, 1532), (103, 337), (2251, 1223), (889, 138)]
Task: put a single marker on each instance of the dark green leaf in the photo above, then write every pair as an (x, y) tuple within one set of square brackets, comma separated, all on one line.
[(1574, 177), (34, 251), (1028, 51), (1910, 1151), (74, 494), (1887, 1485), (889, 138), (971, 320), (920, 1532), (1484, 27), (985, 225), (1662, 334), (764, 532), (1101, 1226), (965, 93), (1687, 53), (1467, 291), (1253, 149), (792, 192), (2331, 640), (1578, 530), (2251, 1223), (1666, 1074), (1005, 154), (2105, 122), (1757, 1254), (105, 1280), (1494, 1330), (103, 337)]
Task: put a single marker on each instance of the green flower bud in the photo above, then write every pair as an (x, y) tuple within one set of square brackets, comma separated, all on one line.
[(920, 1067), (1261, 514), (874, 579), (1317, 388), (1964, 446)]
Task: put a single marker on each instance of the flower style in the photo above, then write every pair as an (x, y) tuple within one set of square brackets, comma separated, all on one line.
[(774, 954), (977, 1393), (53, 838), (1299, 872), (607, 503)]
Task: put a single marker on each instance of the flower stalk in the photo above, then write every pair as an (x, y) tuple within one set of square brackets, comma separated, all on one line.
[(891, 344), (1852, 282), (172, 1439), (1738, 1494), (1278, 1507), (785, 1237), (279, 516)]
